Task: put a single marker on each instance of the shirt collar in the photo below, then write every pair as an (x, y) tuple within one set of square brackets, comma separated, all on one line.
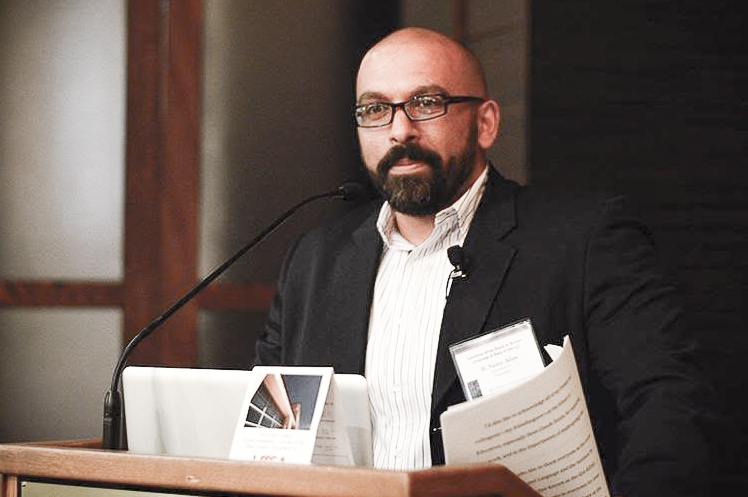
[(461, 213)]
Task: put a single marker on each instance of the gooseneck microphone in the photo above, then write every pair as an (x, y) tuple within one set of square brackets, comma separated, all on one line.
[(112, 429)]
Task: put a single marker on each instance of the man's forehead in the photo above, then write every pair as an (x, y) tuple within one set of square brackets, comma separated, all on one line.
[(398, 71), (407, 51), (415, 57)]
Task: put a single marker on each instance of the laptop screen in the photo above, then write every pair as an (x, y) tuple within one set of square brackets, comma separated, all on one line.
[(194, 412)]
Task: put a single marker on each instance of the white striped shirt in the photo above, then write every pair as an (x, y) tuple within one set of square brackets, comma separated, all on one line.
[(406, 316)]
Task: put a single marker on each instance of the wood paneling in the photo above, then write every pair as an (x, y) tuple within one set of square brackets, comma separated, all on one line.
[(164, 56), (162, 178), (236, 297), (10, 486), (459, 10), (217, 297), (65, 294), (497, 32)]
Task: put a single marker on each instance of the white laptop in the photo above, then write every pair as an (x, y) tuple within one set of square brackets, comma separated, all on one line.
[(193, 412)]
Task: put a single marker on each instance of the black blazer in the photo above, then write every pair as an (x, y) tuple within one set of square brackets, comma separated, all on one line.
[(574, 263)]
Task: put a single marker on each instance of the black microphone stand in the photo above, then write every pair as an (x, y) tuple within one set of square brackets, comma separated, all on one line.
[(112, 428)]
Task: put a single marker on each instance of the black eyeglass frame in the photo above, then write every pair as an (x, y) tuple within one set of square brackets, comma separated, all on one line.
[(401, 105)]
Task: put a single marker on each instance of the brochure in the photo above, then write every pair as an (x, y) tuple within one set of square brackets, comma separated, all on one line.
[(539, 429), (289, 414)]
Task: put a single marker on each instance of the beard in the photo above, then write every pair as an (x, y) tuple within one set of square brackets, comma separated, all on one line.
[(424, 194)]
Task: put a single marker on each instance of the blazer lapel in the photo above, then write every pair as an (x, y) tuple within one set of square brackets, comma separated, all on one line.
[(487, 261), (355, 273)]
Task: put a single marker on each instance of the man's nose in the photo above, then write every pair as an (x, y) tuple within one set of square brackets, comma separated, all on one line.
[(402, 129)]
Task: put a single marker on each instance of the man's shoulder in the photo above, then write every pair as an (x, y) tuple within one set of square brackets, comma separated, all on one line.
[(560, 205), (337, 230), (548, 197), (551, 196), (558, 211)]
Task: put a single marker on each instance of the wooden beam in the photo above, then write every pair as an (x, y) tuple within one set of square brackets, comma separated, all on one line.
[(10, 486), (236, 297), (60, 294), (459, 19), (162, 177), (217, 297)]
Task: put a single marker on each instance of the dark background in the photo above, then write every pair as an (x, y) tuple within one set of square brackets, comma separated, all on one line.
[(648, 98)]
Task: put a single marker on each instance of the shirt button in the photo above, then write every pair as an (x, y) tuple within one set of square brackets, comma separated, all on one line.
[(397, 387)]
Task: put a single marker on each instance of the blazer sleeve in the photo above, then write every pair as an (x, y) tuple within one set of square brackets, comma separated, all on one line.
[(269, 347), (642, 353)]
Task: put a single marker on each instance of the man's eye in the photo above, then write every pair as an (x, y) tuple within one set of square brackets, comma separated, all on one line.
[(374, 109)]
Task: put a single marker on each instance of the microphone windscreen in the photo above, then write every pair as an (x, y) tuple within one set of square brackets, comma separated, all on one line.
[(352, 191), (456, 256)]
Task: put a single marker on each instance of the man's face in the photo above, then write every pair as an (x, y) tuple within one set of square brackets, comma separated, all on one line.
[(419, 167)]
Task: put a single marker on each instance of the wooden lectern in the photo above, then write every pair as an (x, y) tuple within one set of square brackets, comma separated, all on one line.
[(84, 463)]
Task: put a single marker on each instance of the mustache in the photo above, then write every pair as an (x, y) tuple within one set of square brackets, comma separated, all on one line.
[(409, 151)]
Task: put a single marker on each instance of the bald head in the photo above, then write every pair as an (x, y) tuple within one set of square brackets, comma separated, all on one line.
[(439, 56), (424, 164)]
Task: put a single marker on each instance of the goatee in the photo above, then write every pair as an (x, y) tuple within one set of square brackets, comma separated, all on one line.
[(424, 193), (416, 194)]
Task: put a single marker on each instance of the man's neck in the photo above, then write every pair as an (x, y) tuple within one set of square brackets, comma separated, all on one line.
[(415, 229)]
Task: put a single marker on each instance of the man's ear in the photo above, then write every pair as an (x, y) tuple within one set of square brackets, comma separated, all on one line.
[(489, 117)]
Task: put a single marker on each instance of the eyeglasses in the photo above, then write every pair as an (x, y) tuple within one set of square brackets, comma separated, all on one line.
[(418, 108)]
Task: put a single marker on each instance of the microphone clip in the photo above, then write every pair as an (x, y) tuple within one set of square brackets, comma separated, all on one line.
[(456, 256)]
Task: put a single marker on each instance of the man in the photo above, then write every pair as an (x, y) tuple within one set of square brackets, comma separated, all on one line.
[(366, 294)]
